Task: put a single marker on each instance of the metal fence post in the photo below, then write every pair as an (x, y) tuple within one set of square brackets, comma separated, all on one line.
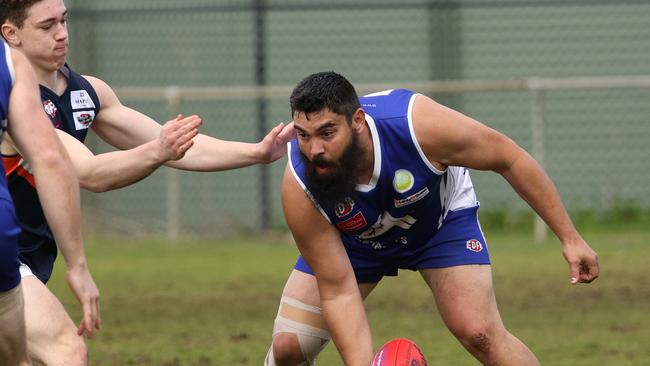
[(173, 100), (261, 9), (540, 231)]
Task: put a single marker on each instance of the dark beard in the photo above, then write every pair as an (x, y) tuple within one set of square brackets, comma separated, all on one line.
[(333, 188)]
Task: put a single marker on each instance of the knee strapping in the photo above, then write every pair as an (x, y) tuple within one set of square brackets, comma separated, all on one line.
[(307, 323)]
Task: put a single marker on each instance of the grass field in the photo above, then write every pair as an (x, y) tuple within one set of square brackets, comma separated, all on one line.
[(212, 302)]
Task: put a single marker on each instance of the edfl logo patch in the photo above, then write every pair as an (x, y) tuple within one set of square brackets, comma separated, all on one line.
[(474, 245)]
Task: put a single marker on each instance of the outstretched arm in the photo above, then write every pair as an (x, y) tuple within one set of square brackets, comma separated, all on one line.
[(116, 169), (449, 138), (57, 185), (320, 244), (126, 128)]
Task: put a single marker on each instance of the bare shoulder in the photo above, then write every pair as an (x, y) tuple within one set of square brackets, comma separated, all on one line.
[(449, 137), (95, 81)]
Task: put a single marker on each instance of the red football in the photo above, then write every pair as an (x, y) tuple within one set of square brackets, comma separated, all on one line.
[(399, 352)]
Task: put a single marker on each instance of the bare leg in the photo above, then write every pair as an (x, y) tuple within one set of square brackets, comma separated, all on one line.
[(465, 298), (13, 349), (52, 338)]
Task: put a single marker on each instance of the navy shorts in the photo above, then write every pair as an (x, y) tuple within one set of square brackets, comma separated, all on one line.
[(38, 252), (459, 241), (9, 231)]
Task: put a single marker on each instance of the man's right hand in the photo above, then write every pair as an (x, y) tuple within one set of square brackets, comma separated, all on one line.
[(176, 136), (83, 286)]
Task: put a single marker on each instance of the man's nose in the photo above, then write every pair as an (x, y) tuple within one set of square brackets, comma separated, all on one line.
[(316, 148), (61, 32)]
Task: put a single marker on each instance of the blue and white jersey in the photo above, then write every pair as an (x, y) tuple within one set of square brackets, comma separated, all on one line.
[(9, 229), (405, 203), (6, 83)]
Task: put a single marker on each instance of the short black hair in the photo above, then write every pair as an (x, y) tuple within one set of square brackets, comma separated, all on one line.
[(15, 11), (325, 90)]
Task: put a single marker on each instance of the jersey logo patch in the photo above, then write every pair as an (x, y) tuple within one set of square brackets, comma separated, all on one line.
[(355, 222), (51, 111), (412, 198), (80, 99), (403, 180), (344, 208), (50, 108), (83, 119), (474, 245), (386, 222)]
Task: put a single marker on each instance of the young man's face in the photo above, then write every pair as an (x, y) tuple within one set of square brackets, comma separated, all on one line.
[(331, 151), (43, 38)]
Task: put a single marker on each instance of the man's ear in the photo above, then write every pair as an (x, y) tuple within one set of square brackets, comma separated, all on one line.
[(10, 33), (358, 120)]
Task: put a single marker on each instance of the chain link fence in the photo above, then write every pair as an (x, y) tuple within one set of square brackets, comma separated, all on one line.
[(594, 139)]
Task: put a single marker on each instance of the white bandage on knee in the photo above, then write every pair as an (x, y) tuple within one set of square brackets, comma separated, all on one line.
[(307, 323)]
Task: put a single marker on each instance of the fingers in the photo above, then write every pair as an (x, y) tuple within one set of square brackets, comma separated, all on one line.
[(86, 325), (98, 318), (185, 125), (575, 273), (287, 133), (584, 272), (280, 135), (86, 292), (176, 135), (184, 142), (588, 272), (183, 148), (91, 317)]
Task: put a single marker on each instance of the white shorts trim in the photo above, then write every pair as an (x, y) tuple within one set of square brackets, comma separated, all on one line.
[(25, 270)]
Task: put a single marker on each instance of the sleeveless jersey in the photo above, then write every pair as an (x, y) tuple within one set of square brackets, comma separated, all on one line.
[(72, 112), (6, 84), (407, 198), (9, 229)]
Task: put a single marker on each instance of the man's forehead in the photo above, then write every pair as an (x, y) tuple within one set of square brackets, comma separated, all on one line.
[(45, 10), (317, 120), (312, 115)]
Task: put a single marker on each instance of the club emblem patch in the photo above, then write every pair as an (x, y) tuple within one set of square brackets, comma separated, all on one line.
[(50, 108), (344, 208), (83, 119), (403, 180), (474, 245)]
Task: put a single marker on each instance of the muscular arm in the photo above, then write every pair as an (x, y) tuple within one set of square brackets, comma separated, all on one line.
[(58, 188), (116, 169), (320, 244), (126, 128), (450, 138)]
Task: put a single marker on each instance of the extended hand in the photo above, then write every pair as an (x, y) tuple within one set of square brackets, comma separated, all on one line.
[(176, 136), (274, 144), (82, 285), (583, 261)]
